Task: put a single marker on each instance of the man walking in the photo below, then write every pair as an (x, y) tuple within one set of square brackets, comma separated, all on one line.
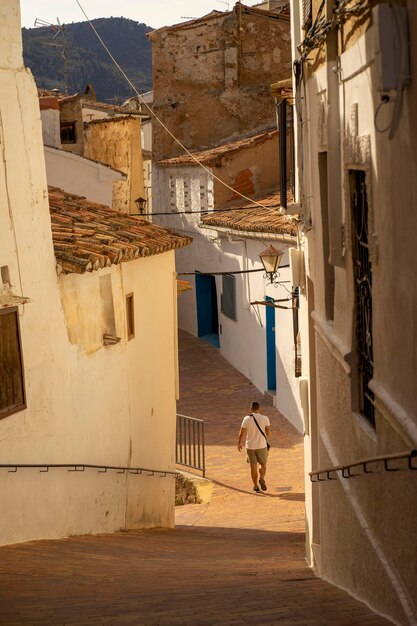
[(256, 428)]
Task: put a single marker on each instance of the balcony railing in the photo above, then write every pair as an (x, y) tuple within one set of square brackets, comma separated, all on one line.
[(190, 450)]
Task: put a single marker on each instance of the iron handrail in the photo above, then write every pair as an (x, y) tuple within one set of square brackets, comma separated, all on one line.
[(80, 467), (190, 445), (364, 464)]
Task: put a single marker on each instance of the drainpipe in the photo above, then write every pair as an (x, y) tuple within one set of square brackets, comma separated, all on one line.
[(334, 174)]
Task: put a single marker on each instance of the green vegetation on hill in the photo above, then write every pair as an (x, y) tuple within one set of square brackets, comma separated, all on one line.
[(88, 62)]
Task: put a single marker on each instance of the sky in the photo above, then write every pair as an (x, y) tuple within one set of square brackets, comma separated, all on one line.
[(155, 13)]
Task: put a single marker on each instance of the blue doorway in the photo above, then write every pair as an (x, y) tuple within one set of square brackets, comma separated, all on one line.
[(271, 362), (207, 313)]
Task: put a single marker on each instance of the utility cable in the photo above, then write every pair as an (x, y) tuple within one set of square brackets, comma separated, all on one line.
[(261, 269), (209, 211), (155, 116)]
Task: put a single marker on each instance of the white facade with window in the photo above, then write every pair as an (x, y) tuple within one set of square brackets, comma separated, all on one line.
[(356, 189), (75, 396), (241, 331)]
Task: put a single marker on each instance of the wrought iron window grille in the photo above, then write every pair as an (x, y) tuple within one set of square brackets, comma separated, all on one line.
[(362, 270)]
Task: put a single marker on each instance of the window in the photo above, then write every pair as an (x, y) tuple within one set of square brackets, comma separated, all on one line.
[(130, 316), (108, 320), (286, 151), (68, 132), (296, 330), (12, 388), (329, 274), (228, 300), (362, 273), (307, 14)]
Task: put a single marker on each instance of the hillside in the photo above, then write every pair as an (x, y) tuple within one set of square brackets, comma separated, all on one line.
[(88, 62)]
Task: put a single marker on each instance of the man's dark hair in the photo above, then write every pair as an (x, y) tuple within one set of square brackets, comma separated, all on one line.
[(254, 406)]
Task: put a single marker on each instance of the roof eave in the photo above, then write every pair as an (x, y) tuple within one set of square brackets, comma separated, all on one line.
[(281, 237)]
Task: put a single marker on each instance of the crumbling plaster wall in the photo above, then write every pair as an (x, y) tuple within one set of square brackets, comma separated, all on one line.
[(252, 172), (117, 142), (218, 68)]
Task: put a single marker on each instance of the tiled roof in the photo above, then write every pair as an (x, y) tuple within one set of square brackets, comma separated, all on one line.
[(88, 236), (214, 156), (107, 120), (103, 106), (237, 8), (250, 218)]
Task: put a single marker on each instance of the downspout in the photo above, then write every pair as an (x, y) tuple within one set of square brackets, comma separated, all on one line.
[(334, 174)]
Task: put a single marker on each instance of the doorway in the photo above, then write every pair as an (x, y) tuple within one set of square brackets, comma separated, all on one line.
[(271, 359), (207, 313)]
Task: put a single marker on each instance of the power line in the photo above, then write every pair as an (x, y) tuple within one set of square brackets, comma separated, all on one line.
[(154, 115), (236, 208), (228, 273)]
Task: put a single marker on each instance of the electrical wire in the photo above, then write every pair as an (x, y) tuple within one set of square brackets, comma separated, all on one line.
[(155, 116), (210, 211), (384, 101), (317, 33)]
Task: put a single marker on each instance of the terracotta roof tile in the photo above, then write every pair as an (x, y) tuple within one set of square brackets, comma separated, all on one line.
[(112, 120), (104, 106), (88, 236), (249, 218), (214, 156)]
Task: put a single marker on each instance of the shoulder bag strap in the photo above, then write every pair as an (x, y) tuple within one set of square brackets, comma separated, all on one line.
[(259, 428)]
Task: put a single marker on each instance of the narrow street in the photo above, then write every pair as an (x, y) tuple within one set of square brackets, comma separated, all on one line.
[(238, 559)]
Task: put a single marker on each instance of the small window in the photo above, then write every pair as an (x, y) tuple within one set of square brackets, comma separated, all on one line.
[(68, 132), (362, 274), (130, 316), (12, 388), (228, 300)]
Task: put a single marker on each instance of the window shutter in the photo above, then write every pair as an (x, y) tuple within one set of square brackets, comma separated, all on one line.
[(307, 14), (228, 300)]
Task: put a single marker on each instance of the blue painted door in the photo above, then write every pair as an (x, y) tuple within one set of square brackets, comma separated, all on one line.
[(271, 363), (207, 314)]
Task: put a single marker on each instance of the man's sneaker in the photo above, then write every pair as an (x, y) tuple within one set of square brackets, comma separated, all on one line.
[(257, 489), (262, 483)]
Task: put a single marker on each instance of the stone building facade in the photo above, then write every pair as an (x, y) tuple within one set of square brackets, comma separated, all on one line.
[(211, 77), (116, 141)]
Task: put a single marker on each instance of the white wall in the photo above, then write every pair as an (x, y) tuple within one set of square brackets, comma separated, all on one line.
[(51, 130), (359, 532), (86, 402), (81, 176), (242, 342)]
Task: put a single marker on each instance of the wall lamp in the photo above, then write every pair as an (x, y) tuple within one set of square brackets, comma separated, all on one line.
[(270, 259), (140, 205)]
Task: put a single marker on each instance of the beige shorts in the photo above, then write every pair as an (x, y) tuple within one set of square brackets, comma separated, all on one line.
[(257, 456)]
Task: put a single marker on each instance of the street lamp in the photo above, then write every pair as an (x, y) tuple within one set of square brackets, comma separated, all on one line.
[(271, 258), (140, 205)]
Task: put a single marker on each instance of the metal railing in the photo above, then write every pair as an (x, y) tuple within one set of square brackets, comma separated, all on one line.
[(80, 467), (190, 450), (367, 466)]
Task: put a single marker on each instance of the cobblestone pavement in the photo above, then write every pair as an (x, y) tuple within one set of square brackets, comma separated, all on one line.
[(238, 560)]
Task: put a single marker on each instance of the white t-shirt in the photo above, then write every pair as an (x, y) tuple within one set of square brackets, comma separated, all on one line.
[(254, 439)]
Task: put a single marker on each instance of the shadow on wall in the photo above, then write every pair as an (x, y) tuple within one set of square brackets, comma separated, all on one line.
[(285, 399)]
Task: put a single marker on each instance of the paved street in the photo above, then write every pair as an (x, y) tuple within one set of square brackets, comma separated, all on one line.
[(236, 560)]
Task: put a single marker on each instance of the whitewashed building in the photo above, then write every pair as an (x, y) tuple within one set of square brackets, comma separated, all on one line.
[(228, 235), (355, 95), (87, 342)]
